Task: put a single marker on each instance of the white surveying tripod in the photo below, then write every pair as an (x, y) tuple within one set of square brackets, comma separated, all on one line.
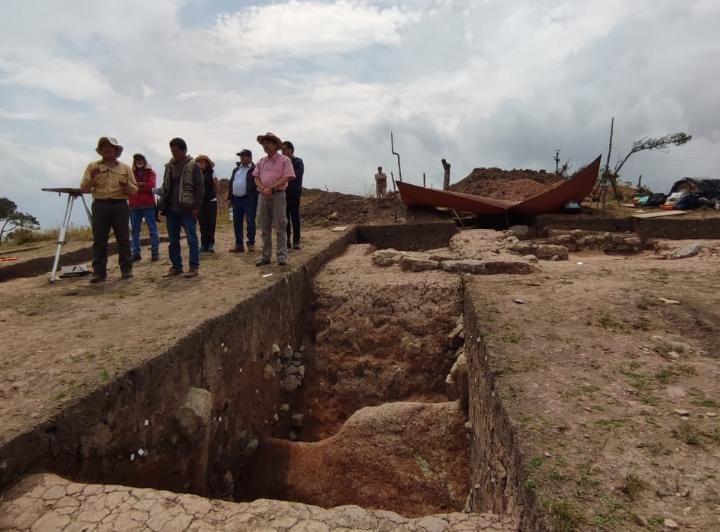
[(73, 194)]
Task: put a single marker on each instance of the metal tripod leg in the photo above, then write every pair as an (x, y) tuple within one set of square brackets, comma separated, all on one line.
[(61, 235)]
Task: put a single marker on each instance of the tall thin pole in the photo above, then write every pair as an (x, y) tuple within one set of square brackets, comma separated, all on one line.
[(612, 129), (396, 154), (557, 161)]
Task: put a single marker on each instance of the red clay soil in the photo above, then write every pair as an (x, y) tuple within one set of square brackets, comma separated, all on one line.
[(514, 185), (410, 458)]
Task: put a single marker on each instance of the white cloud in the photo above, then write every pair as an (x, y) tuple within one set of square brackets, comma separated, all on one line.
[(297, 29)]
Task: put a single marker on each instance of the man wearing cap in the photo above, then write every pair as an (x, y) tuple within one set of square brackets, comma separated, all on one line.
[(272, 174), (181, 199), (111, 183), (142, 205), (243, 197)]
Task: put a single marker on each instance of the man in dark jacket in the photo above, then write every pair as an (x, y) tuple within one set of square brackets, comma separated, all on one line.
[(243, 197), (292, 195), (181, 199)]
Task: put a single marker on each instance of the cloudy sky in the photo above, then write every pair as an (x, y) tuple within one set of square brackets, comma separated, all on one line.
[(479, 82)]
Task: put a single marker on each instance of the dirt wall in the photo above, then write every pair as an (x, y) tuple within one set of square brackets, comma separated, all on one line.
[(677, 228), (411, 237), (497, 478)]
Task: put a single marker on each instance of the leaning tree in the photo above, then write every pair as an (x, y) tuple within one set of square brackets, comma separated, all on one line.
[(11, 218)]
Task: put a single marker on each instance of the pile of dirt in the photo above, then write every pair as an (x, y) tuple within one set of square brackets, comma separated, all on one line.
[(513, 185), (323, 208)]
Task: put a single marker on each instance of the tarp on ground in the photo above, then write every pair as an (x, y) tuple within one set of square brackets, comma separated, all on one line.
[(703, 187)]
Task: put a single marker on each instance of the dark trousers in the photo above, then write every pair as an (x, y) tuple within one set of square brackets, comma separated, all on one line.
[(293, 216), (107, 214), (208, 220), (244, 207)]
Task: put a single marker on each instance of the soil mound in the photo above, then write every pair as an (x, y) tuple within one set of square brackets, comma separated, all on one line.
[(320, 207), (513, 185)]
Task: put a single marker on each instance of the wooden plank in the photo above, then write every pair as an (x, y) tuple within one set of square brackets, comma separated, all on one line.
[(658, 214)]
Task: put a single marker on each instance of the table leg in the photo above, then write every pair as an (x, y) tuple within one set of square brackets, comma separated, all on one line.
[(61, 237)]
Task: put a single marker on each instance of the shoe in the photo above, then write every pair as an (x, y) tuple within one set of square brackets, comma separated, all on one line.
[(97, 279), (203, 250), (251, 247), (297, 246), (238, 249), (172, 272), (155, 258), (282, 262), (126, 276), (211, 248), (262, 262), (192, 272), (137, 258)]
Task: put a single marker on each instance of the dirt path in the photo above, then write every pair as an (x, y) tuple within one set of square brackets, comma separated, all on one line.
[(62, 340), (613, 391)]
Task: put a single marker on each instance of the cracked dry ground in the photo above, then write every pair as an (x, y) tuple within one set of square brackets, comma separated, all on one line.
[(46, 503)]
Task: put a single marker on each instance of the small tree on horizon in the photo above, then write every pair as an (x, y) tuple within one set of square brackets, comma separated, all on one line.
[(11, 218)]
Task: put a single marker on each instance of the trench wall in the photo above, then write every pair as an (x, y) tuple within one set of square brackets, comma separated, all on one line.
[(175, 422), (190, 418), (677, 228), (497, 473)]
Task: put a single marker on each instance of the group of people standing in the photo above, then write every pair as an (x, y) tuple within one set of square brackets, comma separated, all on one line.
[(188, 195)]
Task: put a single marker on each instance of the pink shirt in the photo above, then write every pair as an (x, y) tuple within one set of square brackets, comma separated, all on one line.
[(269, 170)]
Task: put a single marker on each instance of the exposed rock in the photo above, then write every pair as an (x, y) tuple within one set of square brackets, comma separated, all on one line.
[(687, 251), (547, 251), (195, 412), (386, 257), (488, 267), (457, 337), (418, 265), (291, 383), (532, 259), (464, 266), (520, 231), (296, 420)]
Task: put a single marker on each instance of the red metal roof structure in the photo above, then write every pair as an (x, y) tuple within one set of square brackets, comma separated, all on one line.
[(574, 189)]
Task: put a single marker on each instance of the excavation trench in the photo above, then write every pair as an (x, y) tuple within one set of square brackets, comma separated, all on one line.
[(376, 426), (327, 388)]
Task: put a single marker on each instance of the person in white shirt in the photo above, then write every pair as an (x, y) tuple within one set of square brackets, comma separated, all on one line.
[(243, 196)]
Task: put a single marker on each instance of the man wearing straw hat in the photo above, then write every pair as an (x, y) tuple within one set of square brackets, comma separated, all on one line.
[(272, 174), (111, 183)]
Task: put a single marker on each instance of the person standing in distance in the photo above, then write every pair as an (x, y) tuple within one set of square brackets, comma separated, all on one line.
[(293, 194), (243, 197), (142, 205), (380, 183), (272, 174)]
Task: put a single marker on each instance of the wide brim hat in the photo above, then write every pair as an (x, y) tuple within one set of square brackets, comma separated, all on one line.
[(206, 159), (269, 136), (112, 141)]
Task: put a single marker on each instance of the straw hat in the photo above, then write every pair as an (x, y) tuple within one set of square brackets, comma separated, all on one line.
[(269, 136), (112, 141), (205, 158)]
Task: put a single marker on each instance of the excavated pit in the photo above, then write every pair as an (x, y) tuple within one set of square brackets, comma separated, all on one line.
[(378, 429), (341, 401)]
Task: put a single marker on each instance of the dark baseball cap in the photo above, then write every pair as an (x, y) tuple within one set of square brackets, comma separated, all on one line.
[(244, 152)]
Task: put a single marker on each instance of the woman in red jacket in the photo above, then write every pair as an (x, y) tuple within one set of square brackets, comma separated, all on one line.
[(142, 205)]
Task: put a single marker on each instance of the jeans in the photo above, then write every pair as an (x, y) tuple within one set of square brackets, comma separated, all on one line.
[(244, 207), (208, 221), (136, 218), (272, 212), (293, 216), (175, 221)]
